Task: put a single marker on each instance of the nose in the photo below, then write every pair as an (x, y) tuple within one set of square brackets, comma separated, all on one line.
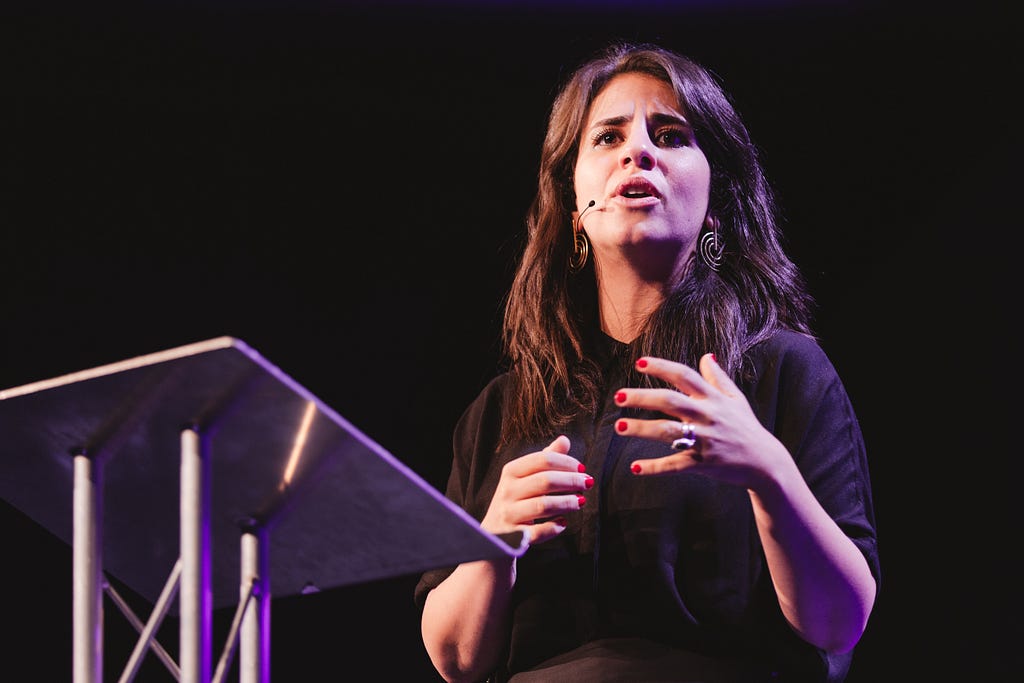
[(637, 151)]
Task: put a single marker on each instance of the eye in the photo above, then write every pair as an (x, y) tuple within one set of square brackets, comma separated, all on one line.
[(608, 136), (672, 137)]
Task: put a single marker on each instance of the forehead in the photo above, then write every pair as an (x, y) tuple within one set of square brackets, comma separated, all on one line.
[(624, 94)]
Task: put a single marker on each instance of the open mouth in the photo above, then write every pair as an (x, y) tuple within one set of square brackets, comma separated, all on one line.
[(637, 188)]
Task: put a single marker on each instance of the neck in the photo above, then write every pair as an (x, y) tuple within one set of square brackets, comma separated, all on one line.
[(625, 301)]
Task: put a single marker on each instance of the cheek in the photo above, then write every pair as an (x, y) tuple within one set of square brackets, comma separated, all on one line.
[(585, 181), (694, 184)]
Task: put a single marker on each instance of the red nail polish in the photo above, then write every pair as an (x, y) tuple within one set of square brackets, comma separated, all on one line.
[(621, 425), (642, 363), (589, 483), (620, 397), (581, 468), (560, 521), (636, 468), (714, 357), (581, 500)]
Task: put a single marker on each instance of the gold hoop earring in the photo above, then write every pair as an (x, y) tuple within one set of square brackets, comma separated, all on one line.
[(580, 242), (580, 250), (711, 248)]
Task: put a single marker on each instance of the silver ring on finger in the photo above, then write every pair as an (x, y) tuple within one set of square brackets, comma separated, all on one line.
[(688, 439)]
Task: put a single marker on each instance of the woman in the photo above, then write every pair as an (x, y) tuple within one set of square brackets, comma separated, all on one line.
[(669, 435)]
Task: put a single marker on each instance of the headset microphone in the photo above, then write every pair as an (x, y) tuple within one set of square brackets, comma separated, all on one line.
[(579, 218)]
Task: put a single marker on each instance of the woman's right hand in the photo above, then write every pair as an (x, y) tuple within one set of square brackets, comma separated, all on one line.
[(536, 491), (465, 622)]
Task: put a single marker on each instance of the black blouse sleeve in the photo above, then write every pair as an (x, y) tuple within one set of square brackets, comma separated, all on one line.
[(472, 480), (802, 400)]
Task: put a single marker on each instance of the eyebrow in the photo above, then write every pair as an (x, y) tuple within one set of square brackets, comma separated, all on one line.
[(657, 119)]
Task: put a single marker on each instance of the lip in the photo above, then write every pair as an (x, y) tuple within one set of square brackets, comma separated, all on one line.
[(637, 186), (637, 191)]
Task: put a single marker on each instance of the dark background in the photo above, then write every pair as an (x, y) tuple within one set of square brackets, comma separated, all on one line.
[(342, 186)]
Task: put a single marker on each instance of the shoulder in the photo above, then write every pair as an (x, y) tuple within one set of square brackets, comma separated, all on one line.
[(492, 396), (486, 408), (789, 345), (792, 369), (790, 354)]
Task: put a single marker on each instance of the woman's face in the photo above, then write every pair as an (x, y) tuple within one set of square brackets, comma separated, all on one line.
[(639, 161)]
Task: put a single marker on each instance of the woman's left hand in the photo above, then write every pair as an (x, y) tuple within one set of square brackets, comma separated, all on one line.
[(730, 443)]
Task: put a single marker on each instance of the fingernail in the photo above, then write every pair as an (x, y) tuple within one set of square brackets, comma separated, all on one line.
[(621, 425), (560, 521), (620, 397), (635, 467), (714, 357), (581, 467), (589, 482), (642, 363), (581, 500)]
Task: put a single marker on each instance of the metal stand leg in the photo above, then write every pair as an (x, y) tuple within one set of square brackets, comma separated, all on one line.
[(196, 610), (251, 616), (254, 660), (194, 565), (87, 570)]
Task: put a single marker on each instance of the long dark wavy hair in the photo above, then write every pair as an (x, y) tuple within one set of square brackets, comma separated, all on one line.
[(550, 313)]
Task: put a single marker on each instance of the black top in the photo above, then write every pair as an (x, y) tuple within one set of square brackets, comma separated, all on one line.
[(669, 570)]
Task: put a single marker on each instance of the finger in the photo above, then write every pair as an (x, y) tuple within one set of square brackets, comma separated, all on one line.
[(560, 444), (544, 530), (668, 401), (543, 508), (553, 457), (681, 376), (512, 513), (677, 462), (665, 431), (716, 376), (548, 482), (522, 513)]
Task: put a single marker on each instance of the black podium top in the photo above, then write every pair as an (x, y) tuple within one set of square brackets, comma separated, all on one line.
[(337, 507)]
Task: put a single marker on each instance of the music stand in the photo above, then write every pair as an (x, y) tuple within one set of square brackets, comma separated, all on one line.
[(206, 467)]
